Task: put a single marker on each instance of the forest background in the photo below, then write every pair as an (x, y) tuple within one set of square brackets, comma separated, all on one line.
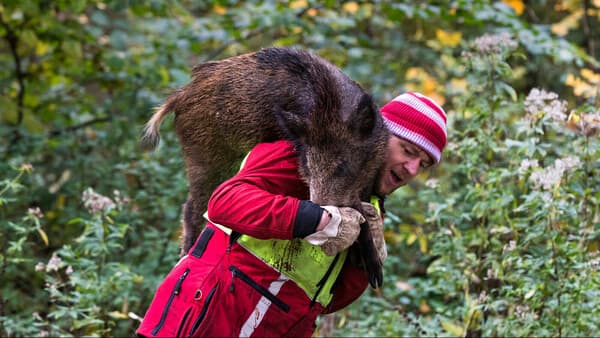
[(501, 239)]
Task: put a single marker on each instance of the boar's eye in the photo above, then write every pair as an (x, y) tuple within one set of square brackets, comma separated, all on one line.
[(342, 170)]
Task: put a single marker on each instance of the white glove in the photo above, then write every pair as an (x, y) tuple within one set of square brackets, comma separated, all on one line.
[(341, 231)]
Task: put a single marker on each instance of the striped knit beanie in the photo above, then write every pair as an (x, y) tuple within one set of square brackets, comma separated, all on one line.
[(418, 119)]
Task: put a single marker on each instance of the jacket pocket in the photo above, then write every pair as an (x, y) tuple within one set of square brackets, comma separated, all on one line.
[(174, 293), (195, 314), (237, 273)]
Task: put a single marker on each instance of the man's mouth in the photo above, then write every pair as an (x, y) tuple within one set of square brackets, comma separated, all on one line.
[(396, 177)]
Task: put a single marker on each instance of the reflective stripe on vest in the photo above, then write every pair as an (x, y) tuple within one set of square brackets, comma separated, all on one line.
[(302, 262)]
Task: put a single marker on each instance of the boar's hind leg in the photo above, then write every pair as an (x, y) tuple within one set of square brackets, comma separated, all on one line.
[(204, 176), (191, 224)]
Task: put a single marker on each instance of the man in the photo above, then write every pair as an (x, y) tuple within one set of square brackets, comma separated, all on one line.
[(269, 261)]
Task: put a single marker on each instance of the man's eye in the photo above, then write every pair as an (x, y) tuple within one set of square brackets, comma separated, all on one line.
[(426, 163)]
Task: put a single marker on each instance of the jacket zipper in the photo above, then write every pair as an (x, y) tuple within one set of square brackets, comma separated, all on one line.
[(187, 313), (324, 279), (174, 293), (198, 320), (235, 272)]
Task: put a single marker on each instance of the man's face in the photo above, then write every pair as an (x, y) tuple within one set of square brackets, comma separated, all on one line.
[(403, 161)]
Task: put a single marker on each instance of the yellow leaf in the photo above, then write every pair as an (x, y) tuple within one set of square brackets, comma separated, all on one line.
[(460, 84), (423, 244), (453, 329), (43, 236), (581, 87), (60, 202), (164, 74), (118, 315), (312, 12), (342, 321), (298, 4), (219, 9), (429, 85), (411, 239), (423, 307), (589, 75), (517, 5), (414, 72), (449, 39), (351, 7), (569, 22), (391, 237), (41, 48), (439, 99)]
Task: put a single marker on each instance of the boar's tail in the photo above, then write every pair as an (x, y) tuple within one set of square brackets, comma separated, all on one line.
[(151, 135)]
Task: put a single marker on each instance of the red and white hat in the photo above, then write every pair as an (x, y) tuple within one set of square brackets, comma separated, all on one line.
[(418, 119)]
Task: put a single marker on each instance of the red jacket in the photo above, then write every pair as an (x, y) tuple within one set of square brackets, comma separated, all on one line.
[(220, 288), (263, 201)]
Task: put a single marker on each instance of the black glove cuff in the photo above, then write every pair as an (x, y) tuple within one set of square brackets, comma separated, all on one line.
[(307, 219)]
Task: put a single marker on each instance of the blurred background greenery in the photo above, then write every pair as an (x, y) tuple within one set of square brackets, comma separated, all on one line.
[(501, 239)]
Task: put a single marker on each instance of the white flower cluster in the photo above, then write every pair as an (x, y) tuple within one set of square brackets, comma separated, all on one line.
[(527, 164), (594, 261), (585, 123), (120, 200), (53, 264), (511, 246), (549, 177), (522, 311), (95, 202), (432, 183), (540, 101), (35, 212), (494, 43)]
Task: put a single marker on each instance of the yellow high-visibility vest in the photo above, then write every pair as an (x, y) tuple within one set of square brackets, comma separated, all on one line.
[(306, 264)]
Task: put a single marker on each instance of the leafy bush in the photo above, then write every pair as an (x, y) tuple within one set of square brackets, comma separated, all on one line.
[(501, 239), (515, 208)]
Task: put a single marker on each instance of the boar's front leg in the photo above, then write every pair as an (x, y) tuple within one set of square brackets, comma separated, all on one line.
[(368, 253)]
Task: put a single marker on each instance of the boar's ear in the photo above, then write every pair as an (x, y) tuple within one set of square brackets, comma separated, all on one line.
[(363, 119), (294, 126)]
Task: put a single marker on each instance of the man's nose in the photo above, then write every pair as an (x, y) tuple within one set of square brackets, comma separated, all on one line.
[(412, 166)]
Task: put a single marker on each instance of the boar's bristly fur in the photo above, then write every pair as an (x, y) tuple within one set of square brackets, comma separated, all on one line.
[(233, 104)]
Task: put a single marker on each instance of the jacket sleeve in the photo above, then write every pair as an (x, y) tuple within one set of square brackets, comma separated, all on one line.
[(267, 198)]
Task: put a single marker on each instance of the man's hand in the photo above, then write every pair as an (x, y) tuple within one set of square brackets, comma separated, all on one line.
[(339, 232), (376, 228)]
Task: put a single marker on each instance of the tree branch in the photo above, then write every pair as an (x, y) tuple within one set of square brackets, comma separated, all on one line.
[(13, 42), (250, 35), (79, 126)]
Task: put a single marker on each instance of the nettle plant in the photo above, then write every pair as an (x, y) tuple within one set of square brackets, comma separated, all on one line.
[(518, 212), (86, 286), (513, 216)]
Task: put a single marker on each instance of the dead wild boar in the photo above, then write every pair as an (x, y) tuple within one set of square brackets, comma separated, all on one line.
[(231, 105)]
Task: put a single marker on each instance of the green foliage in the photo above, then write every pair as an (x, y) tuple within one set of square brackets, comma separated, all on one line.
[(501, 239)]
